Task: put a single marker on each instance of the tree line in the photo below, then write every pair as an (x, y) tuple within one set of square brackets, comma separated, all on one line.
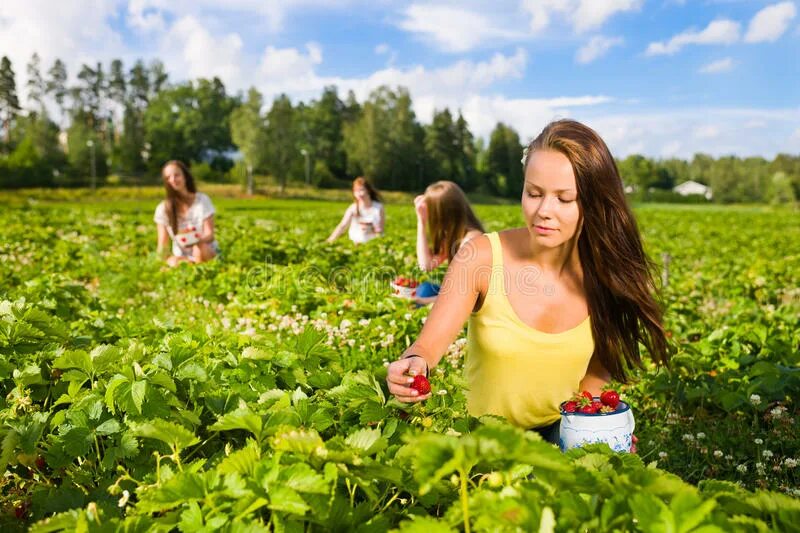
[(127, 122)]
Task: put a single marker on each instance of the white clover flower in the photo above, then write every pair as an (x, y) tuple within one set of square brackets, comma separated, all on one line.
[(767, 454), (662, 455), (718, 453), (789, 462), (741, 469), (760, 469), (407, 316), (755, 399), (777, 412), (758, 441), (441, 392), (351, 342), (729, 457), (701, 435), (688, 437), (363, 322), (345, 324)]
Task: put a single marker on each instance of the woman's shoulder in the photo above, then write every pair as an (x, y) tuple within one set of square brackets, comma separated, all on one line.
[(476, 252), (161, 207)]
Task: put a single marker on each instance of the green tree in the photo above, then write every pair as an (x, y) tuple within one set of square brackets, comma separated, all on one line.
[(386, 143), (442, 149), (117, 85), (9, 102), (700, 168), (129, 149), (465, 142), (281, 134), (79, 154), (249, 132), (504, 161), (37, 87), (325, 122), (789, 165), (139, 85), (57, 84), (37, 157), (190, 121)]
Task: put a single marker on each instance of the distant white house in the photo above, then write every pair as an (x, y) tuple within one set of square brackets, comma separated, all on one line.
[(692, 187)]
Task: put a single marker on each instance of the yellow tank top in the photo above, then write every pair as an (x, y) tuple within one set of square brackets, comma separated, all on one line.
[(514, 370)]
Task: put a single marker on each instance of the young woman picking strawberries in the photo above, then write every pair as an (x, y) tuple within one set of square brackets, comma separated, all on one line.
[(559, 305)]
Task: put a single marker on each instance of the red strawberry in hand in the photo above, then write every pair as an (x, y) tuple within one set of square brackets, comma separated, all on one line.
[(421, 384), (610, 398), (570, 407)]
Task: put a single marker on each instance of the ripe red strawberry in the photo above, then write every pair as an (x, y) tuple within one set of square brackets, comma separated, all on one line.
[(597, 404), (588, 395), (570, 406), (610, 398), (588, 409), (421, 384)]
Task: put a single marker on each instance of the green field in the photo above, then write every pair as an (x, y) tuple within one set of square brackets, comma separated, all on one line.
[(247, 394)]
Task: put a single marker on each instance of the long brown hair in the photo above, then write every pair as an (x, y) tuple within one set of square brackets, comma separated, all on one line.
[(617, 275), (450, 217), (374, 195), (174, 198)]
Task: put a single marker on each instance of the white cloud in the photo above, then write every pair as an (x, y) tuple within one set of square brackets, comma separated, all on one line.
[(721, 31), (144, 17), (191, 51), (671, 149), (715, 131), (382, 48), (770, 23), (718, 67), (453, 28), (584, 15), (271, 15), (592, 14), (597, 47), (707, 131), (542, 11)]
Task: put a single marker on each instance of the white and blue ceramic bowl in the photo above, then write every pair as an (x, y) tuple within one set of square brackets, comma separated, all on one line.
[(580, 429)]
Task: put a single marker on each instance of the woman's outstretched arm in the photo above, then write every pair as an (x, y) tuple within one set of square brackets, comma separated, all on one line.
[(343, 225), (466, 277)]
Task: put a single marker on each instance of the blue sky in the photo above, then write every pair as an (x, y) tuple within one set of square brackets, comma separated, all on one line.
[(660, 77)]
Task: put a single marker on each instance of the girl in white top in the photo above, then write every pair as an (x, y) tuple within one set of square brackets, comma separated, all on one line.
[(365, 217), (185, 211)]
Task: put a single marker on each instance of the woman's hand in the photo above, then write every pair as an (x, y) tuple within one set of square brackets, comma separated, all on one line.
[(401, 374), (421, 208)]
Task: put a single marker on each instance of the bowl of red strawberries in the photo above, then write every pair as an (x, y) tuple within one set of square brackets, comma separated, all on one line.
[(587, 419), (403, 287)]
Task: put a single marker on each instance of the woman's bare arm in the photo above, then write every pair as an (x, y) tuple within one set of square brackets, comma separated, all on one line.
[(596, 377), (348, 215), (463, 283), (162, 247)]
